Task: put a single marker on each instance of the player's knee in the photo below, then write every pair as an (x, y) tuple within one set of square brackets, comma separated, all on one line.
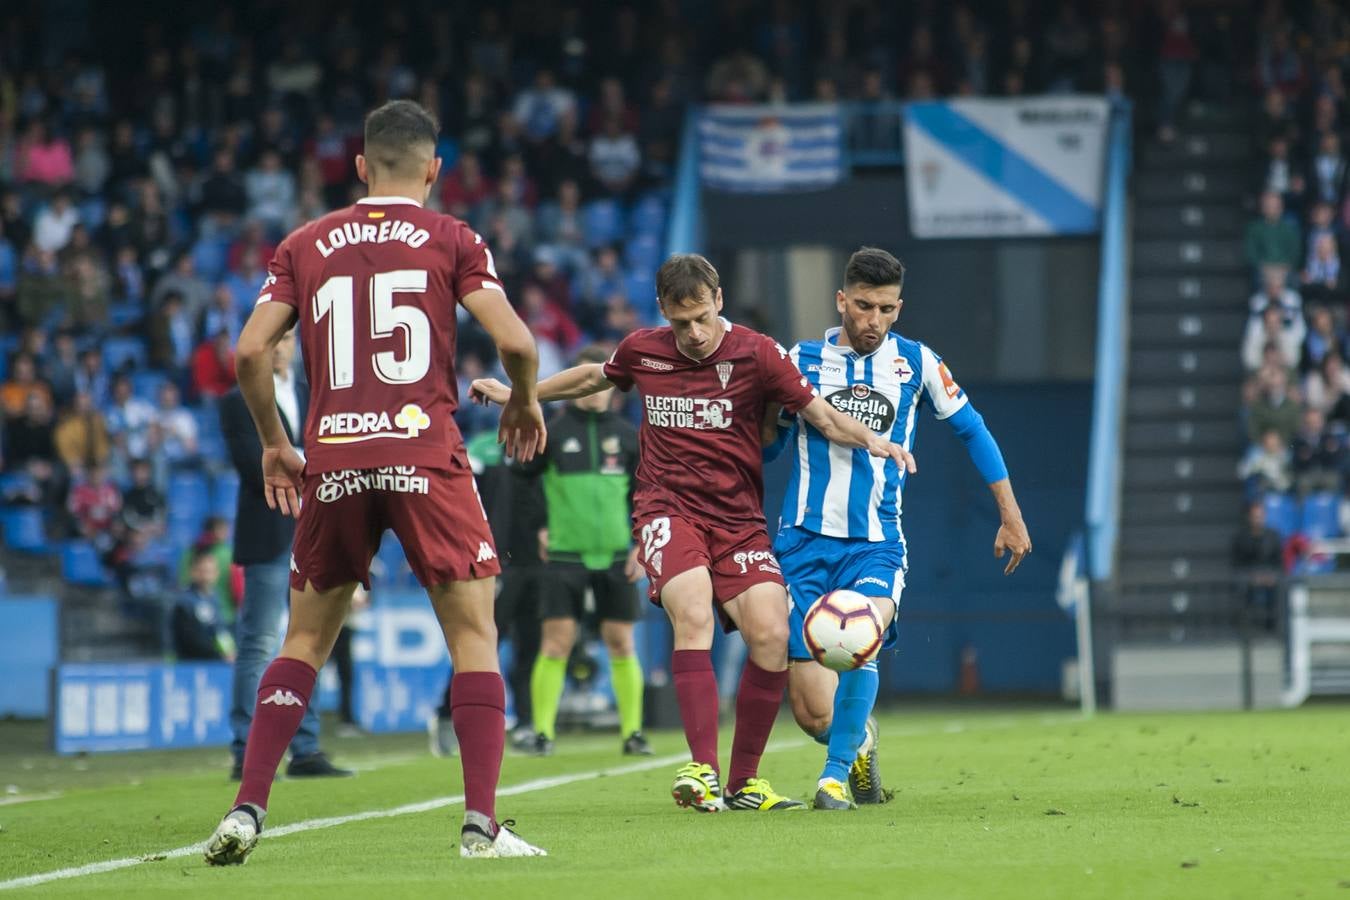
[(769, 636), (692, 622), (618, 638)]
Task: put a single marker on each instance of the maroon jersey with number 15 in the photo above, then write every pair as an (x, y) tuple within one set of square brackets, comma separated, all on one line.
[(699, 440), (376, 287)]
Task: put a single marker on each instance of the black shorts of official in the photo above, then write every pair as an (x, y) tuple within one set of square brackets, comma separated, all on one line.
[(519, 590), (563, 595)]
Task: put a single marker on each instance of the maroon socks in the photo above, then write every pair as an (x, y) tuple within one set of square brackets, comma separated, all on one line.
[(283, 694), (757, 704), (696, 690), (478, 711)]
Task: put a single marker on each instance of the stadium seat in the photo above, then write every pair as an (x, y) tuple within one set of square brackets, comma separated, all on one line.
[(648, 216), (602, 222), (93, 212), (146, 384), (189, 498), (642, 253), (118, 350), (124, 315), (641, 290), (210, 257), (80, 565), (1320, 518), (1281, 513), (224, 493), (24, 529)]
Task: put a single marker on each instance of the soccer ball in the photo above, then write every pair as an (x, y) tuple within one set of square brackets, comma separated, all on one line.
[(843, 630)]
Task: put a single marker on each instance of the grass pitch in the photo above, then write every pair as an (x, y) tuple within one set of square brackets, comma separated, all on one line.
[(988, 804)]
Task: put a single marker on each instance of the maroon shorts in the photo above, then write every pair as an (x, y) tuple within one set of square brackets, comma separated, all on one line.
[(737, 559), (435, 513)]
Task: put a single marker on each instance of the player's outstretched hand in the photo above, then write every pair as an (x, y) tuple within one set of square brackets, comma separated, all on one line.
[(881, 447), (281, 468), (1013, 540), (632, 569), (485, 391), (522, 430)]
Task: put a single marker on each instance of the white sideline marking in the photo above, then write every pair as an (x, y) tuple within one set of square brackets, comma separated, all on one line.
[(15, 799), (525, 787)]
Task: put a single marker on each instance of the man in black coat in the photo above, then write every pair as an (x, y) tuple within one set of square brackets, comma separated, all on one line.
[(262, 545)]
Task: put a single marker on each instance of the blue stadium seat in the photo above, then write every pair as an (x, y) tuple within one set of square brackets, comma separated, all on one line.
[(1320, 517), (189, 498), (146, 383), (93, 212), (162, 552), (641, 290), (210, 256), (118, 350), (224, 493), (642, 253), (1281, 513), (124, 315), (648, 216), (602, 222), (80, 565), (24, 529)]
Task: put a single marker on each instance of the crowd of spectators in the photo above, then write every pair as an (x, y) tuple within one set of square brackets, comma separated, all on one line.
[(1296, 400)]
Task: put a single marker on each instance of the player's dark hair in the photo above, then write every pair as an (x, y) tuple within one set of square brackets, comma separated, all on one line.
[(683, 277), (394, 132), (594, 353), (874, 267)]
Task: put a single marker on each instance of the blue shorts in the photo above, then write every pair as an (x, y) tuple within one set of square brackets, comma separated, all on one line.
[(814, 564)]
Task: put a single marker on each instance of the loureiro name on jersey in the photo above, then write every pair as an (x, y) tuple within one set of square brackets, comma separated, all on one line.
[(350, 233)]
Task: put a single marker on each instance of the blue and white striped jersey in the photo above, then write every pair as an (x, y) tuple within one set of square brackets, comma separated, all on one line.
[(844, 492)]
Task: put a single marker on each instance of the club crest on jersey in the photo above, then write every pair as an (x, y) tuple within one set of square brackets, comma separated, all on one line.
[(866, 405), (351, 428), (724, 373), (610, 445), (903, 370)]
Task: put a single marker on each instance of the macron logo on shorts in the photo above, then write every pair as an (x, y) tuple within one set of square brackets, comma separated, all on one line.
[(283, 698), (485, 552)]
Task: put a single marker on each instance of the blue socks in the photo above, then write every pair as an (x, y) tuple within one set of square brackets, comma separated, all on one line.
[(853, 702)]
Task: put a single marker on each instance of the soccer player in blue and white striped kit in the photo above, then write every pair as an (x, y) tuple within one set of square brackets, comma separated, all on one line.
[(840, 525)]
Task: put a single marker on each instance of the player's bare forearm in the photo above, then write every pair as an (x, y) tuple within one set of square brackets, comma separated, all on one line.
[(1012, 538), (253, 364), (847, 431), (522, 367), (578, 381)]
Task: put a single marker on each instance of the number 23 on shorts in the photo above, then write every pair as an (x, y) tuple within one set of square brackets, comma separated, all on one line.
[(655, 535)]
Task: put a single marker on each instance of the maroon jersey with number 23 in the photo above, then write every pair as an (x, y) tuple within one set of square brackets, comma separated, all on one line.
[(699, 440), (375, 287)]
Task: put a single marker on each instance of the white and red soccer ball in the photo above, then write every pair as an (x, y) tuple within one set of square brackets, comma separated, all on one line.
[(843, 630)]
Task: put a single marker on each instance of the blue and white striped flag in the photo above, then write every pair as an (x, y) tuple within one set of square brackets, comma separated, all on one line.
[(771, 148)]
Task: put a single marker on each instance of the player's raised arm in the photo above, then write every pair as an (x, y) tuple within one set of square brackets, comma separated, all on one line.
[(847, 431), (522, 425), (569, 384), (281, 465), (951, 403)]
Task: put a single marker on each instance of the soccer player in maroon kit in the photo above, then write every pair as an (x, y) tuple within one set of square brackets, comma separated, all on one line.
[(374, 288), (698, 515)]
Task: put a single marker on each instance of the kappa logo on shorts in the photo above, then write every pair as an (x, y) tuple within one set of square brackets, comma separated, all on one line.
[(763, 558), (351, 428), (485, 551), (655, 561), (294, 567), (348, 482)]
